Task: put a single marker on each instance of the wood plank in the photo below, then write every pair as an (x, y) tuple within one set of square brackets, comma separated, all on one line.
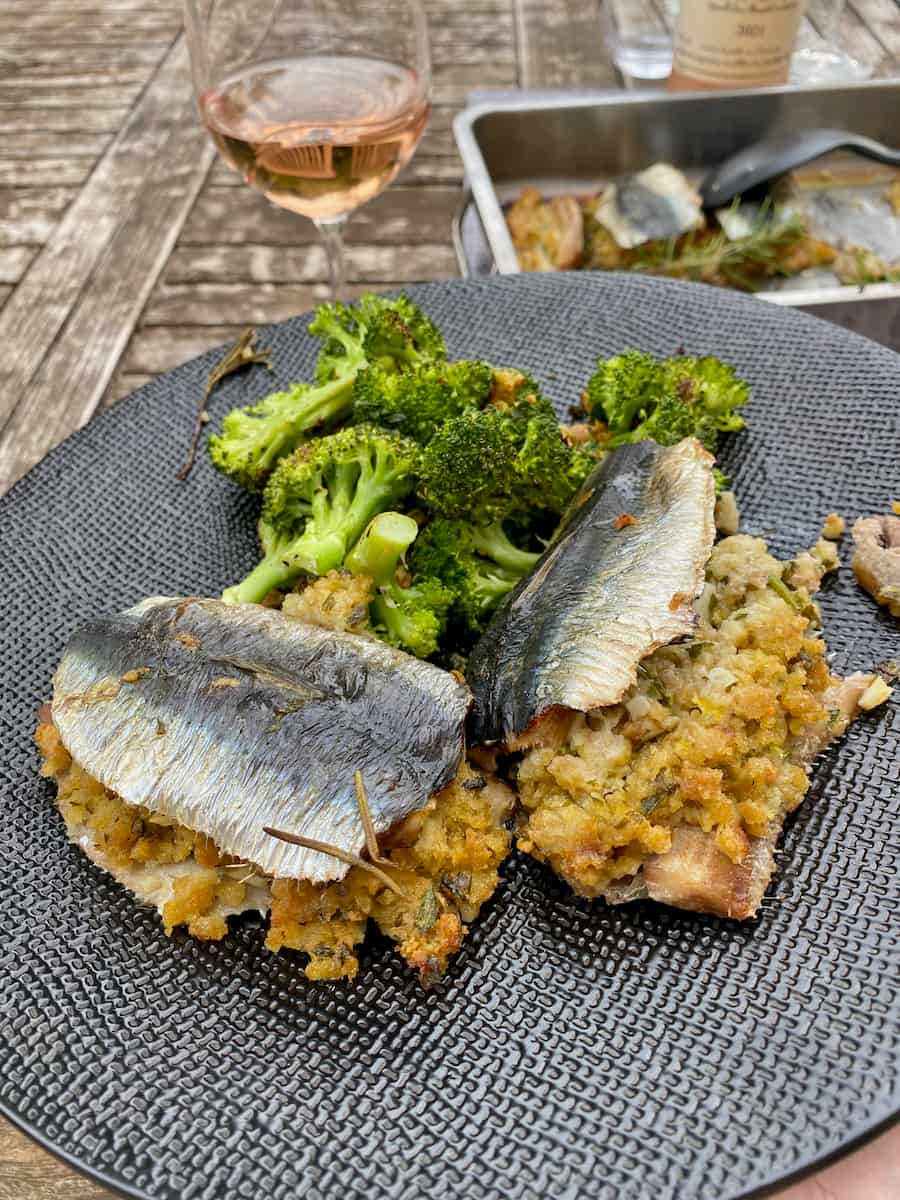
[(14, 262), (398, 216), (855, 38), (561, 45), (882, 19), (216, 304), (41, 77), (74, 22), (31, 216), (858, 40), (74, 38), (44, 172), (424, 171), (48, 95), (77, 118), (97, 271), (28, 1172), (48, 59), (45, 143), (452, 84), (68, 7), (193, 265)]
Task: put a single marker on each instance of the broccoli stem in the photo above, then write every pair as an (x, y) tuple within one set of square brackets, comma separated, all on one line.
[(377, 554), (379, 550), (491, 541), (331, 402), (267, 576)]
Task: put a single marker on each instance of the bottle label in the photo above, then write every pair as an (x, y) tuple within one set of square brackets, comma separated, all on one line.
[(736, 43)]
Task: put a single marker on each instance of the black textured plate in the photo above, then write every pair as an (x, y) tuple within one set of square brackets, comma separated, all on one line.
[(573, 1050)]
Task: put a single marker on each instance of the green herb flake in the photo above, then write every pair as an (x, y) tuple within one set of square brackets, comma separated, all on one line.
[(428, 911)]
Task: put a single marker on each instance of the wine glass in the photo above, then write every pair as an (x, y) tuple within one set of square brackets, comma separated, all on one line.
[(317, 103)]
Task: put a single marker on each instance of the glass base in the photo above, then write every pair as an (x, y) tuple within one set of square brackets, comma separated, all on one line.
[(825, 64), (643, 56)]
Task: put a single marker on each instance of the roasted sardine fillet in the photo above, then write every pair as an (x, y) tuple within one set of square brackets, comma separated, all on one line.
[(667, 698), (678, 791), (183, 731)]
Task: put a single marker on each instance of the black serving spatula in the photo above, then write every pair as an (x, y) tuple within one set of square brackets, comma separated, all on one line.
[(777, 155)]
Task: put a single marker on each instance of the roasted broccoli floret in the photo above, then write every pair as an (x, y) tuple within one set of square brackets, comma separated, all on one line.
[(319, 500), (392, 333), (478, 564), (640, 397), (500, 462), (253, 439), (417, 401), (413, 615)]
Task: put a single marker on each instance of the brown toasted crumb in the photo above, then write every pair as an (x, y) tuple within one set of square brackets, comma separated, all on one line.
[(576, 434), (833, 526), (134, 675), (188, 640), (727, 517), (623, 520), (679, 599)]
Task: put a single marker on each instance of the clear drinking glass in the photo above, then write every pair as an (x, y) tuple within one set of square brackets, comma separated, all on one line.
[(819, 57), (638, 34), (317, 103)]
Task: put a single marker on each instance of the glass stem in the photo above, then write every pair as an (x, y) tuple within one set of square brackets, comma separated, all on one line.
[(331, 231)]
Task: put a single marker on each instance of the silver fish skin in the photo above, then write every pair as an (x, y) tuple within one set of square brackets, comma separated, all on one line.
[(659, 202), (229, 718), (603, 595)]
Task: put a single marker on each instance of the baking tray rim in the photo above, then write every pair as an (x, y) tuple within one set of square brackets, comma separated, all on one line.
[(480, 185)]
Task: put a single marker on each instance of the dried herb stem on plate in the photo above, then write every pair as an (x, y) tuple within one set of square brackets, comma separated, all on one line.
[(241, 354)]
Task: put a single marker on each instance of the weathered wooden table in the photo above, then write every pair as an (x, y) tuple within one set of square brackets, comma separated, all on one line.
[(125, 249)]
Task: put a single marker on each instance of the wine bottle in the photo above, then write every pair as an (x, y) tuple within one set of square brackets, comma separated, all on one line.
[(734, 43)]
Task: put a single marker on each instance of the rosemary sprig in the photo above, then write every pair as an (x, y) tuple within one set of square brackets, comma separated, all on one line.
[(742, 263), (346, 856), (241, 354)]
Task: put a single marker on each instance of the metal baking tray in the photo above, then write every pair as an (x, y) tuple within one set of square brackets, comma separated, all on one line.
[(578, 142)]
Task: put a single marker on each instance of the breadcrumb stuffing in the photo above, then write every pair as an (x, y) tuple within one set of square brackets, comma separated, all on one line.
[(338, 600)]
